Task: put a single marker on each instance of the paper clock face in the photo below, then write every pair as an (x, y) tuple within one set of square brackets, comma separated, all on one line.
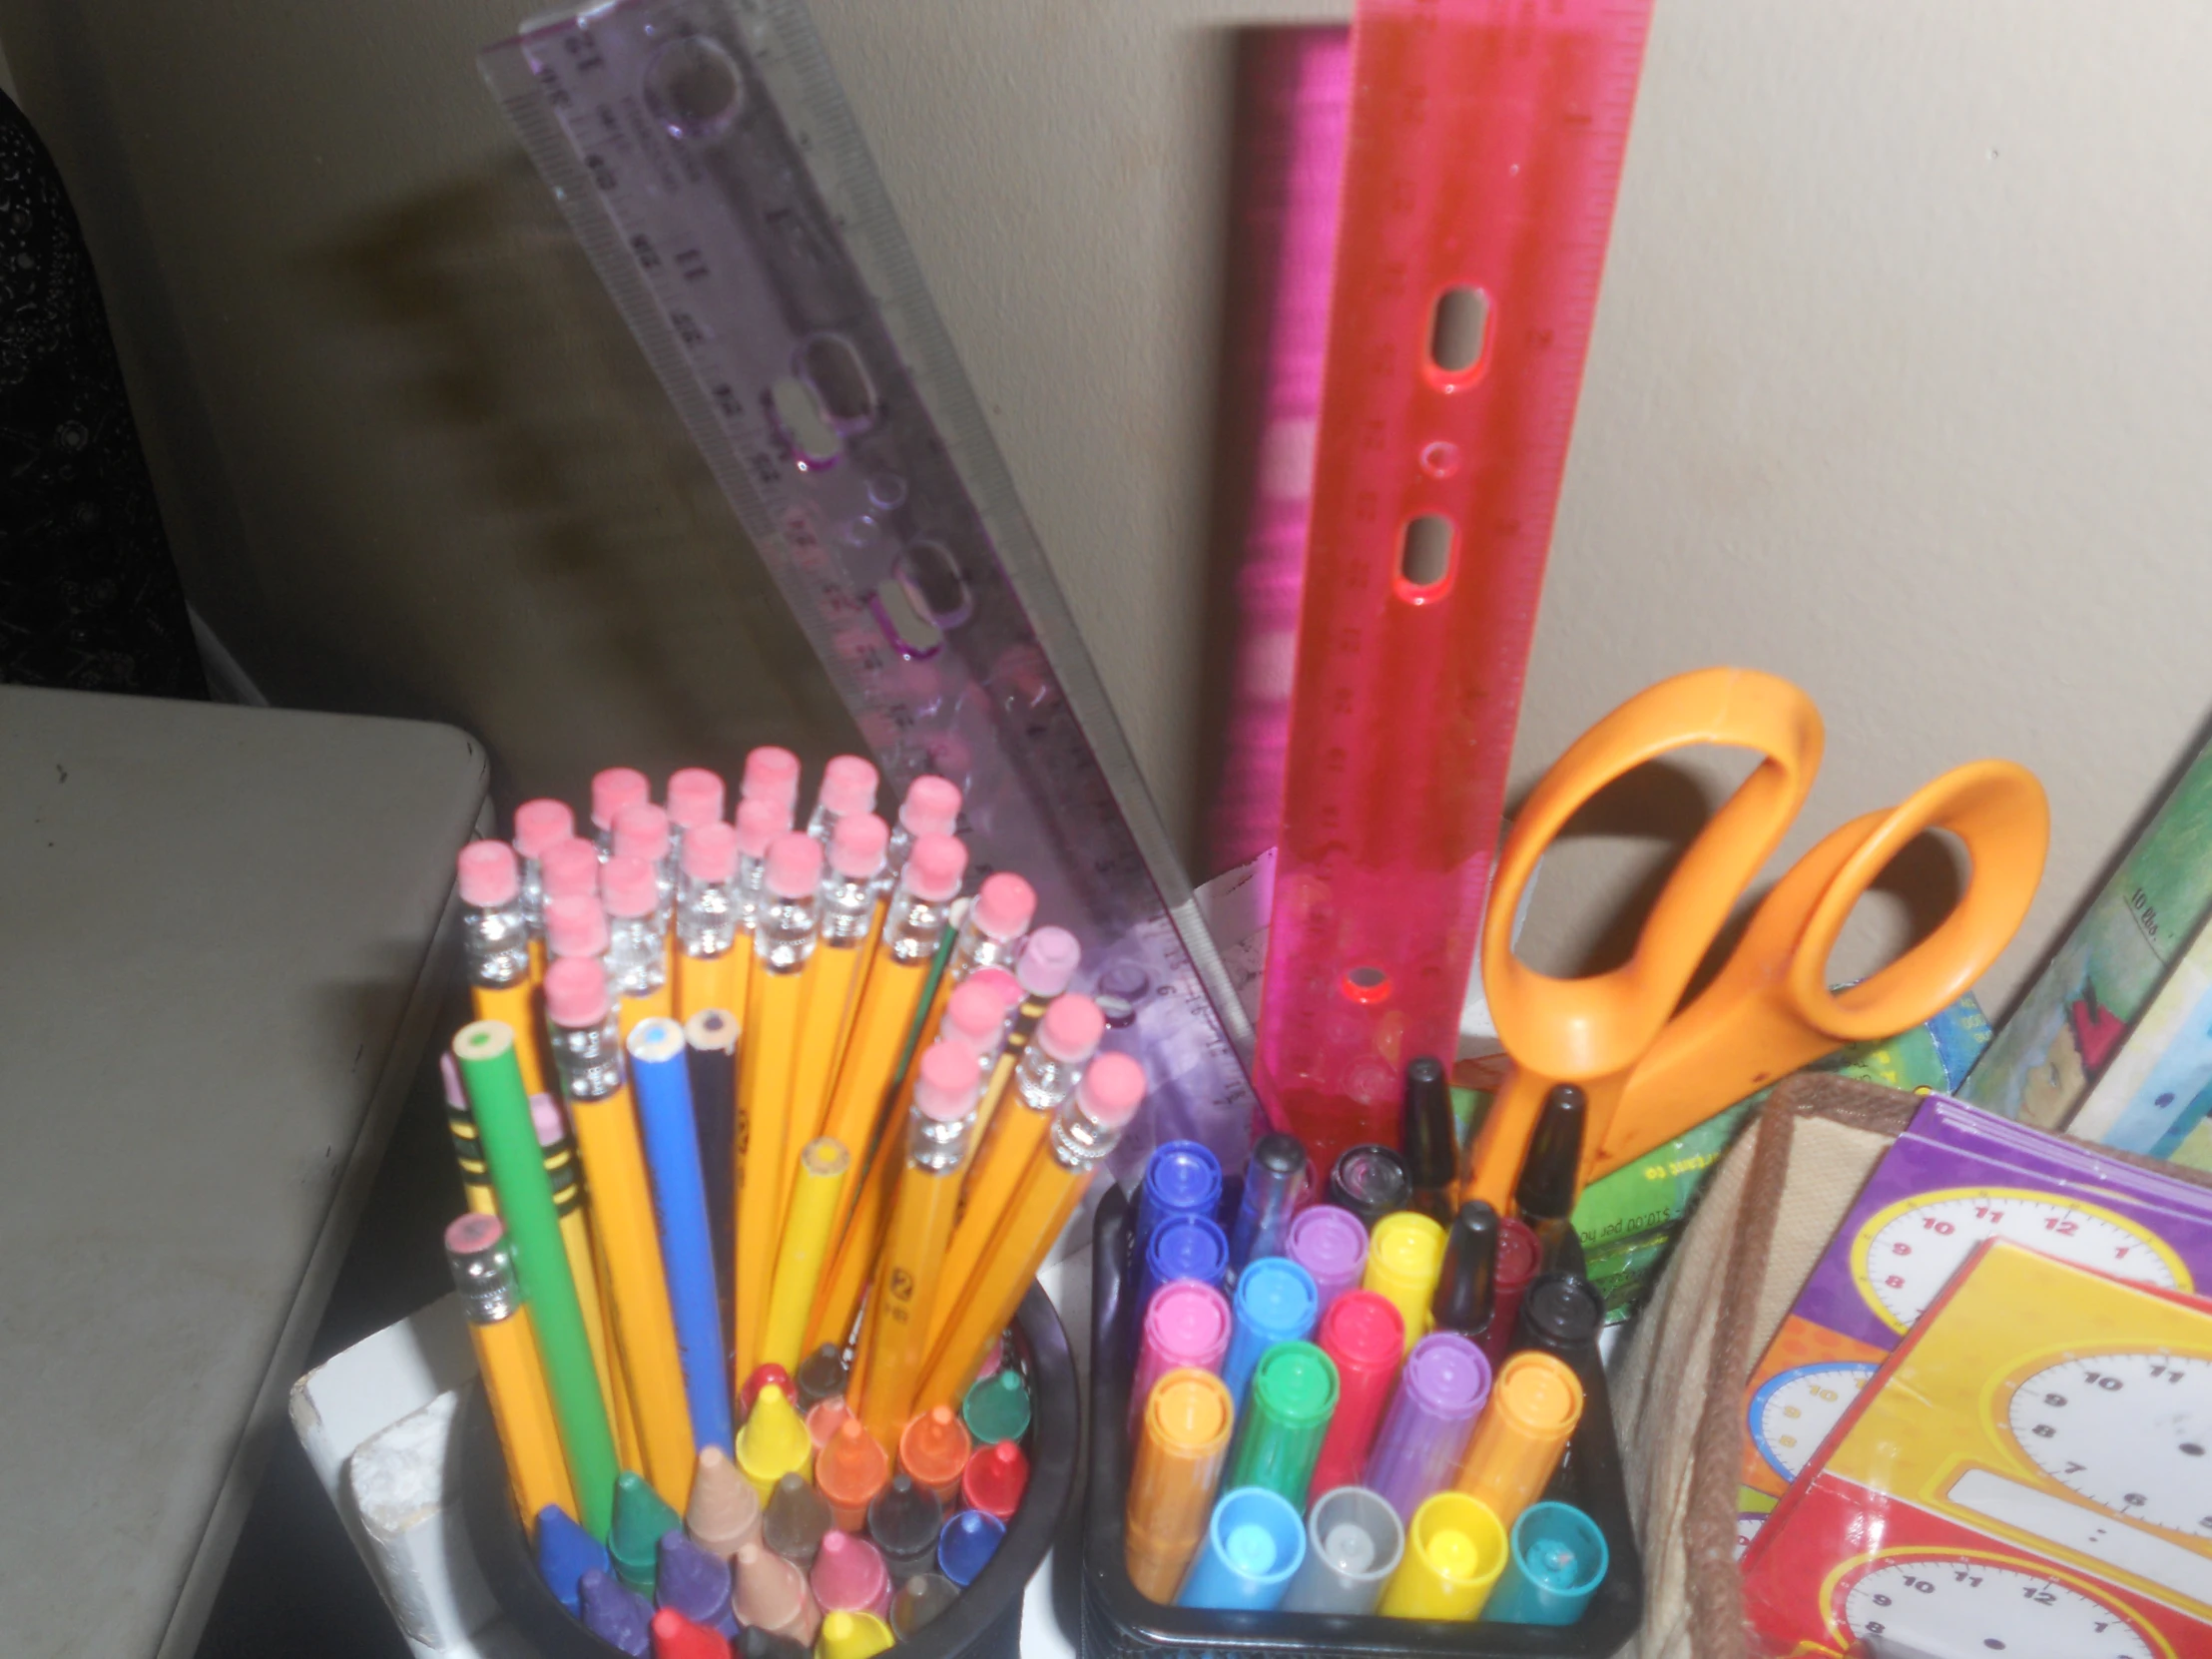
[(1792, 1413), (1939, 1606), (2131, 1432), (1906, 1254)]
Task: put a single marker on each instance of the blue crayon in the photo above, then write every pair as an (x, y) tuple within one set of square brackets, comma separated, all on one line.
[(967, 1543), (694, 1584), (1181, 1178), (1557, 1560), (1185, 1246), (616, 1614), (565, 1553), (661, 1078), (1276, 1302)]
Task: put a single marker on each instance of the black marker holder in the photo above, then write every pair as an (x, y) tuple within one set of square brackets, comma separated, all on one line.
[(984, 1623), (1120, 1623)]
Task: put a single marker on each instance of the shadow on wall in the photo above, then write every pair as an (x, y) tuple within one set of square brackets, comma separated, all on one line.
[(597, 601)]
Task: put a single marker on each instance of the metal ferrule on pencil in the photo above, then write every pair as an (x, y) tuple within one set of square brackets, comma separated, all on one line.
[(1080, 1142), (847, 908), (783, 935), (706, 916), (914, 926), (935, 1147), (636, 963), (486, 1281), (1042, 1082), (588, 1058), (497, 941)]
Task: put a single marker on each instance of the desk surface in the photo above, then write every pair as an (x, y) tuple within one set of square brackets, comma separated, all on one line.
[(216, 985)]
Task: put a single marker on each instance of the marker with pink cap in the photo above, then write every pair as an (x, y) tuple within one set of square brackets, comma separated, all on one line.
[(494, 931), (539, 825), (611, 790), (931, 808), (847, 787), (637, 956), (1187, 1324), (771, 775)]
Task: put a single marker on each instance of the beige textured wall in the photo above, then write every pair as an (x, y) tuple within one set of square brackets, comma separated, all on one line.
[(1900, 387)]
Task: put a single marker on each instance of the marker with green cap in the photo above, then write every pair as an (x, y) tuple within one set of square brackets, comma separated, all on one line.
[(493, 1080), (635, 1539), (998, 1409), (1294, 1394)]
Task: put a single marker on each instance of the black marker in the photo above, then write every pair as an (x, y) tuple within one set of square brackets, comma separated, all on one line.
[(1430, 1139), (1466, 1289), (1551, 1173), (1369, 1181)]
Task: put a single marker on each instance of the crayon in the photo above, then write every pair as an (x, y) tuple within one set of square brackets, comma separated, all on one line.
[(967, 1543), (696, 1583), (920, 1600), (615, 1613), (903, 1522), (934, 1449), (724, 1507), (849, 1469), (641, 1518), (677, 1637), (850, 1576), (820, 1376), (852, 1635), (996, 1409), (773, 1444), (996, 1479), (565, 1552), (772, 1594), (796, 1521)]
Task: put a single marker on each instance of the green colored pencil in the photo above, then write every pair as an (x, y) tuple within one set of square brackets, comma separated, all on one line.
[(486, 1052)]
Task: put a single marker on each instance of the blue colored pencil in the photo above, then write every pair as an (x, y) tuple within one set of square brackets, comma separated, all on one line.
[(661, 1079)]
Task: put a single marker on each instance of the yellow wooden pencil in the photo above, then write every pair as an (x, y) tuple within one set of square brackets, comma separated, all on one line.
[(823, 1167), (1045, 968), (846, 909), (992, 935), (760, 821), (707, 938), (507, 1358)]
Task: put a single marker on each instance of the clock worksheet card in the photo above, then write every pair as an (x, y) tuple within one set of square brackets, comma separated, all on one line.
[(1957, 1178), (2027, 1475)]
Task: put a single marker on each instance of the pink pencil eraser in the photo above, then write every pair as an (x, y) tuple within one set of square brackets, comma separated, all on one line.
[(936, 868), (1112, 1089), (975, 1013), (932, 807), (547, 1119), (1071, 1029), (615, 789), (771, 774), (857, 845), (1006, 905), (695, 797), (793, 865), (539, 823), (466, 1235), (575, 926), (949, 1081), (848, 785), (576, 992), (627, 884), (570, 869), (641, 830), (1000, 984), (761, 820), (1048, 961), (488, 874), (711, 851)]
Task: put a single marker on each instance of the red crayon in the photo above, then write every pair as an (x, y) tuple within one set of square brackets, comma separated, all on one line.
[(676, 1637), (995, 1478), (1365, 1333)]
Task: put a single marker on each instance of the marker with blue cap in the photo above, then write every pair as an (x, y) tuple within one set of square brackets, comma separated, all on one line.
[(1184, 1247), (1273, 1184), (1557, 1560), (1276, 1302), (1181, 1178), (1254, 1546), (967, 1543)]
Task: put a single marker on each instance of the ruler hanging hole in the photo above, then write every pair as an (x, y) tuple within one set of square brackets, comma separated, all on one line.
[(933, 583), (693, 88), (1459, 331), (814, 438), (912, 633), (830, 364), (1424, 558)]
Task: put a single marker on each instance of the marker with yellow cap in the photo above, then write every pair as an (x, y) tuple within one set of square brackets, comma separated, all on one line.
[(1181, 1443), (1404, 1257), (1519, 1440), (1455, 1552)]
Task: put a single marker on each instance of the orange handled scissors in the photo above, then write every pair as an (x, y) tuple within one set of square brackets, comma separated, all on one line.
[(1653, 1068)]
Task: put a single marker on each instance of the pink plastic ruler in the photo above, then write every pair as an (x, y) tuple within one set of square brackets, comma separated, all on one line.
[(1482, 159)]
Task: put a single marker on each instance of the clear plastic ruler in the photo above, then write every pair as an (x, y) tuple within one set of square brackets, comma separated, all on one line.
[(707, 159)]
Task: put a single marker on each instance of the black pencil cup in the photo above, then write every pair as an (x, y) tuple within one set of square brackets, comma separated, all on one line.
[(984, 1623), (1119, 1623)]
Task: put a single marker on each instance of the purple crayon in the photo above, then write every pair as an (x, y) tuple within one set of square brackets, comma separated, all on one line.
[(694, 1583)]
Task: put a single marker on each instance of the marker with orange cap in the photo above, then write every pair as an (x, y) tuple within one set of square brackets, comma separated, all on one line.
[(913, 928), (895, 1342), (637, 946), (1085, 1131), (845, 912), (783, 941), (539, 825), (1521, 1434), (1181, 1443), (934, 1450), (588, 1057), (850, 1469), (495, 938), (1455, 1552), (611, 790), (1066, 1037), (707, 919)]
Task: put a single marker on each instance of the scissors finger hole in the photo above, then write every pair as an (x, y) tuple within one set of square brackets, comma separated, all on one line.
[(1911, 897)]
